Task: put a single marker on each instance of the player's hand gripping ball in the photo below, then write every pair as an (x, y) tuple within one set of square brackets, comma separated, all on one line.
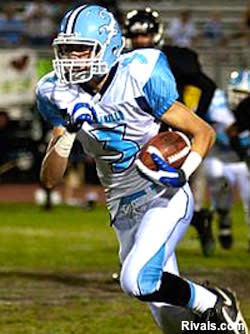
[(161, 158)]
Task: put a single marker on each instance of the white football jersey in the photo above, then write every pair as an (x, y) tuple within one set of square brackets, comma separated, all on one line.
[(137, 92)]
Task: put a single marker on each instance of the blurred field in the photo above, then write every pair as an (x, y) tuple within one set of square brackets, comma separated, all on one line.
[(56, 267)]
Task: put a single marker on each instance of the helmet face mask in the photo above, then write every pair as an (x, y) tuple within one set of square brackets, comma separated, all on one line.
[(81, 68), (89, 44)]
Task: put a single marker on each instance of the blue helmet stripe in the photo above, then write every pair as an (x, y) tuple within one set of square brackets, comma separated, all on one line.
[(67, 16)]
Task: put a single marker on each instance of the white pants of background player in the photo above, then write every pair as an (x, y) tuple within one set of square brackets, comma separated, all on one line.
[(198, 184), (143, 227), (234, 174)]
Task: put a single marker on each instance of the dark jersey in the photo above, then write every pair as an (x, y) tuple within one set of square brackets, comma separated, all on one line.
[(242, 115), (187, 70)]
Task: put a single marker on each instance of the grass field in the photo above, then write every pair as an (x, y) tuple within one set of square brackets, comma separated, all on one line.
[(56, 267)]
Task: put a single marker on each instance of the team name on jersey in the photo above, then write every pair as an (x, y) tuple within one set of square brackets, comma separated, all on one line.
[(117, 116)]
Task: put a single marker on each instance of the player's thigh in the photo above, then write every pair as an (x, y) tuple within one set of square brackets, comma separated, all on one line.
[(198, 185), (242, 175), (165, 223), (221, 178), (162, 227), (213, 167), (126, 239)]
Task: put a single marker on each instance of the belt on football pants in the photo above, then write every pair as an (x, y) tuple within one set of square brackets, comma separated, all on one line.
[(133, 197)]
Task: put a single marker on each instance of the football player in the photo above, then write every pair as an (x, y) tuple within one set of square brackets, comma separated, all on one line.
[(239, 100), (225, 170), (143, 29), (113, 104)]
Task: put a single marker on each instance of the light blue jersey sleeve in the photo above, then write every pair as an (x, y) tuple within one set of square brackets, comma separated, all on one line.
[(160, 90), (48, 110)]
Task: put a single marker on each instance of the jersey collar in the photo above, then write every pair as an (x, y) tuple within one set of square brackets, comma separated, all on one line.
[(105, 86)]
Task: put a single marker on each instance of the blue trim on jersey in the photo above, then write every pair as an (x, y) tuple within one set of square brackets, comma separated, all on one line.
[(151, 273), (192, 297), (160, 90), (49, 111)]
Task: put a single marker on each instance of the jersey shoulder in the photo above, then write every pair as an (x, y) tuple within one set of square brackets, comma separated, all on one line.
[(48, 83), (140, 63), (51, 89), (52, 96)]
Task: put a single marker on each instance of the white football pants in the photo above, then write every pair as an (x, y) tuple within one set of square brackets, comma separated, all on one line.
[(237, 175), (148, 234)]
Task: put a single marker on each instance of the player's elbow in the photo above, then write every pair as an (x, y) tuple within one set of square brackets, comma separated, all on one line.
[(205, 135)]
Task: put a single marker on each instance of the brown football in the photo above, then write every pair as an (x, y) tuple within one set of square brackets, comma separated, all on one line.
[(174, 146)]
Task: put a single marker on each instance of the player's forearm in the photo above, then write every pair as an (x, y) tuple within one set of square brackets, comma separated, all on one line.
[(182, 118), (52, 169), (203, 135), (201, 143), (56, 159)]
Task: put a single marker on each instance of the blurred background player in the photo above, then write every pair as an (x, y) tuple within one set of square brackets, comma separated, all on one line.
[(40, 23), (12, 26), (226, 172), (181, 30), (213, 29), (143, 28), (239, 100)]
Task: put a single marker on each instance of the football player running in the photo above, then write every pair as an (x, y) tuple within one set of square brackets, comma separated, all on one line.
[(113, 105)]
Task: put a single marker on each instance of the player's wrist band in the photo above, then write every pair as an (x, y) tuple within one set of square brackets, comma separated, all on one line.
[(191, 163), (64, 144)]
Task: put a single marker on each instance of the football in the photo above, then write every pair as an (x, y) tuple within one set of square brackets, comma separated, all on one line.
[(174, 147)]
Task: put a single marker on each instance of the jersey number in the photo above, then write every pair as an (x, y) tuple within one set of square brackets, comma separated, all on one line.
[(114, 140)]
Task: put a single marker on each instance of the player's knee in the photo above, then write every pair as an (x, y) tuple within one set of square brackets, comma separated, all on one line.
[(147, 281), (128, 282)]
